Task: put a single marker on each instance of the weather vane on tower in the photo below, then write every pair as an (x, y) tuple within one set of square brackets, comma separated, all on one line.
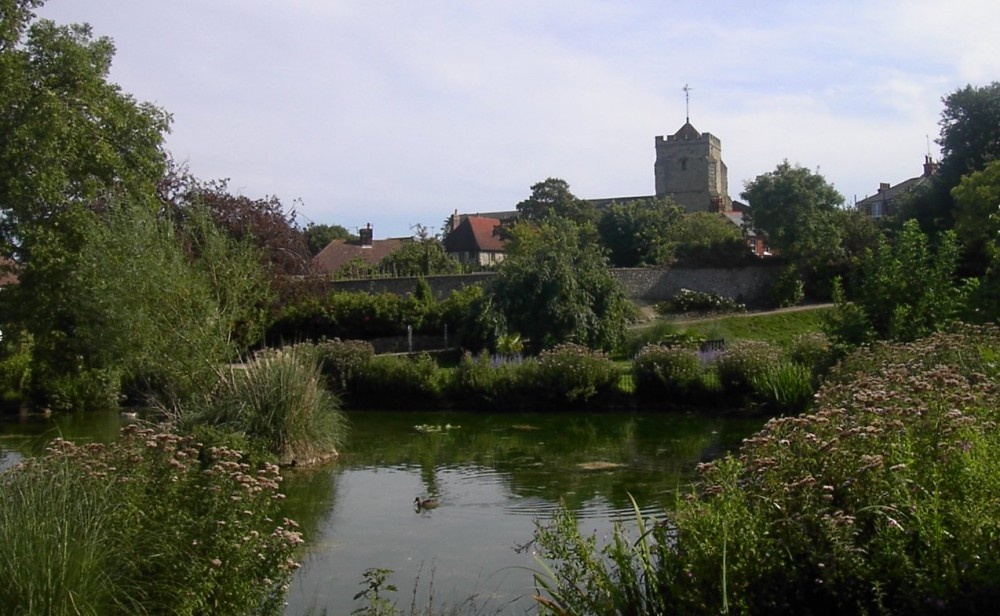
[(687, 103)]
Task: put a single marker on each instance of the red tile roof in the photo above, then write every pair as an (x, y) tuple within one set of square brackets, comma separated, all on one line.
[(474, 234)]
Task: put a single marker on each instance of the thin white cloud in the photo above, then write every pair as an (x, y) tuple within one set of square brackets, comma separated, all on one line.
[(396, 112)]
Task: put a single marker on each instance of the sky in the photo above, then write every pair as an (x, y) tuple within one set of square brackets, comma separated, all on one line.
[(399, 112)]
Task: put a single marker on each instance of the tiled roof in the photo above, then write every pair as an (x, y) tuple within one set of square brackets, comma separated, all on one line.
[(474, 234), (340, 252)]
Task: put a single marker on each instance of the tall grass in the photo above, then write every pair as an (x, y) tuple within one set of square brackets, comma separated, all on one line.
[(59, 535), (278, 399), (152, 524)]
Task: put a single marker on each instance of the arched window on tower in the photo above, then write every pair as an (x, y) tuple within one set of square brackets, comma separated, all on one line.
[(684, 164)]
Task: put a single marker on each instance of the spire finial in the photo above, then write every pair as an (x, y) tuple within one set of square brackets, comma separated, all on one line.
[(687, 103)]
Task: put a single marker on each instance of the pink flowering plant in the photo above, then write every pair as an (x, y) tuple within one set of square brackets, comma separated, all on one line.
[(152, 524), (884, 499)]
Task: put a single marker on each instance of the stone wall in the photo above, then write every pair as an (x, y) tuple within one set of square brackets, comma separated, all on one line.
[(750, 285)]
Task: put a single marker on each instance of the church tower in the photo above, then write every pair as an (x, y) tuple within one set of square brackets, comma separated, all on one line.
[(689, 170)]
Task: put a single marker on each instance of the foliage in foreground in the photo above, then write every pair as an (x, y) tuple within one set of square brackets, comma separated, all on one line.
[(881, 501), (152, 524)]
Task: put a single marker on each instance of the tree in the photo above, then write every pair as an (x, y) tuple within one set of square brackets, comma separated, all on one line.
[(707, 237), (128, 307), (905, 290), (977, 224), (552, 197), (422, 257), (69, 136), (969, 139), (263, 222), (636, 233), (319, 236), (977, 211), (796, 209), (554, 286)]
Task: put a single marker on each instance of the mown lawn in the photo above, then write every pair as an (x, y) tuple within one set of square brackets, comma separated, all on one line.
[(780, 328)]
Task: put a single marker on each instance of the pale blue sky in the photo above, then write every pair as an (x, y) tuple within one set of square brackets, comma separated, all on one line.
[(399, 112)]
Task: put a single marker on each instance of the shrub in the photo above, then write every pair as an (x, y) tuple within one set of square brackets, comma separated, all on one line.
[(485, 380), (391, 381), (687, 300), (570, 373), (785, 387), (671, 373), (815, 351), (742, 361), (343, 360), (151, 524), (279, 400), (788, 288)]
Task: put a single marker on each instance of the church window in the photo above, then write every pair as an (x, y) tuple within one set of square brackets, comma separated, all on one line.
[(684, 164)]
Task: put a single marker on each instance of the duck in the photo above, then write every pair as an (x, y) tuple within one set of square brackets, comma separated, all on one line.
[(425, 503)]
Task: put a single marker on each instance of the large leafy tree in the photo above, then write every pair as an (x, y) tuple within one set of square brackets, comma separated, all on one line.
[(318, 236), (554, 286), (977, 224), (636, 233), (265, 222), (707, 237), (969, 140), (552, 197), (796, 208), (68, 135), (423, 257)]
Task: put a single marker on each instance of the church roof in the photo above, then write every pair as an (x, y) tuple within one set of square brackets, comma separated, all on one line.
[(687, 132)]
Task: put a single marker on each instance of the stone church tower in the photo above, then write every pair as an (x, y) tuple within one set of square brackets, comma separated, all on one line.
[(689, 170)]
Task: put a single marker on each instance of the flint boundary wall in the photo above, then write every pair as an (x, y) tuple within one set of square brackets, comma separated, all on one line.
[(750, 284)]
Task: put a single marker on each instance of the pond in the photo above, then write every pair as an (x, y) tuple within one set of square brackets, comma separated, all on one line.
[(494, 476)]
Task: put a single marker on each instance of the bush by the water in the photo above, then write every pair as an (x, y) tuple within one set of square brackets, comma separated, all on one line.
[(570, 373), (671, 373), (152, 524), (278, 400), (743, 361), (343, 360), (397, 381), (883, 500)]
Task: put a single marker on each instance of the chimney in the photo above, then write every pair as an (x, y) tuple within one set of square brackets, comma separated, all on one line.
[(929, 166), (884, 186), (366, 236)]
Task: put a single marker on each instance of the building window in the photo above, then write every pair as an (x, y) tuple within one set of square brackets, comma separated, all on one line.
[(684, 164), (878, 209)]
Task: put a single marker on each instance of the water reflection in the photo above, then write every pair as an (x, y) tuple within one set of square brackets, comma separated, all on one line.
[(494, 476)]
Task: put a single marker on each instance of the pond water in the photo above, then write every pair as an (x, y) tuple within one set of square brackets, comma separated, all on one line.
[(494, 475)]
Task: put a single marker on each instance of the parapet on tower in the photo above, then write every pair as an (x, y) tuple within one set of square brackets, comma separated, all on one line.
[(689, 170)]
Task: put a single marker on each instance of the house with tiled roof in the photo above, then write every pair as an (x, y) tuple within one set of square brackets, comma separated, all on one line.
[(475, 240), (886, 201), (366, 250)]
